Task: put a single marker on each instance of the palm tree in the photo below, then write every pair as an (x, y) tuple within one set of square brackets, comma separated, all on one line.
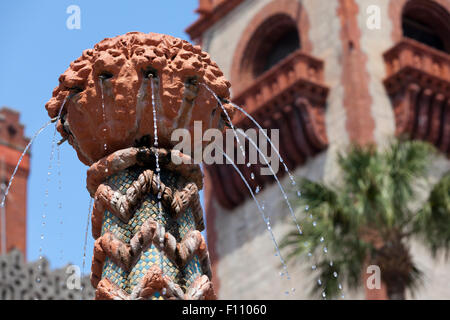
[(369, 216)]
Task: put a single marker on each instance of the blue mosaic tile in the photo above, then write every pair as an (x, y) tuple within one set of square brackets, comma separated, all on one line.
[(125, 231)]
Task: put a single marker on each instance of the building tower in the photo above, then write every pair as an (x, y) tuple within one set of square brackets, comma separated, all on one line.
[(13, 224), (326, 73)]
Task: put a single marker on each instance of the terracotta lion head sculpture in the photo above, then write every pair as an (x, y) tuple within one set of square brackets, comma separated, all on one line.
[(105, 98)]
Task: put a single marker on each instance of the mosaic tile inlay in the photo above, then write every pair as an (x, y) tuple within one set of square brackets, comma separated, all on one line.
[(125, 231)]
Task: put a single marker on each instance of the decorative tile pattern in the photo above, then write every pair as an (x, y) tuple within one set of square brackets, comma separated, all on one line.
[(125, 231)]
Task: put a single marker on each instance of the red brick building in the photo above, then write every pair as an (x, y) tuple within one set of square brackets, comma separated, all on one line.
[(326, 73), (12, 144)]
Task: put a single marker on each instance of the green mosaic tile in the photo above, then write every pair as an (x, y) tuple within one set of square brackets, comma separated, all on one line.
[(125, 231)]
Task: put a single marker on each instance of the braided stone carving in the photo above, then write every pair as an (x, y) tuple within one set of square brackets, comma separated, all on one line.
[(138, 253)]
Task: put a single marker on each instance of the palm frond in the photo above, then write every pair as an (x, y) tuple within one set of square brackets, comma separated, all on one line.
[(373, 194), (432, 222)]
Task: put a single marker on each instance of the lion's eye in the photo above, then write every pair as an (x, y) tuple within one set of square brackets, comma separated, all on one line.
[(75, 90), (105, 75)]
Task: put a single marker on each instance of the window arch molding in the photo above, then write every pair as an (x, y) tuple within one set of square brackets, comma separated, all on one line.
[(292, 15), (436, 11)]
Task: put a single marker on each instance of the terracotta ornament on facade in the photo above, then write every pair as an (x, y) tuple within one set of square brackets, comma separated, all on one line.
[(147, 215)]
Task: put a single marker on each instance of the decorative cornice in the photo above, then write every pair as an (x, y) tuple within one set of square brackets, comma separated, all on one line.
[(10, 118), (418, 82), (290, 97), (298, 71), (209, 16)]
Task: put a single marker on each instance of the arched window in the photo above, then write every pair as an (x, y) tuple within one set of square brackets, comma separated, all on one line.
[(273, 41), (428, 23)]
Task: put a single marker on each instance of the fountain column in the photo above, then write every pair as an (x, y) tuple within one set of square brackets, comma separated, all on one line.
[(119, 104)]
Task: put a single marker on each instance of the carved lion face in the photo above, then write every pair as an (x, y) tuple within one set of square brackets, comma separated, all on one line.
[(107, 98)]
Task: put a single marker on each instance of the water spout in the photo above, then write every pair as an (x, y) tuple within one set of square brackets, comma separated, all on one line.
[(276, 178), (105, 147), (266, 219), (274, 148), (86, 234), (21, 158), (158, 170)]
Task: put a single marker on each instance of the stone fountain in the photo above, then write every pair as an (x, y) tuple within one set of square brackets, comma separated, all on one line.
[(117, 106)]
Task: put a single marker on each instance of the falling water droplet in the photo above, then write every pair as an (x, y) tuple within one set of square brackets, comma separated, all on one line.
[(325, 249), (314, 267), (252, 176), (299, 194), (335, 274), (247, 185), (291, 177), (103, 112), (314, 223), (324, 295), (155, 143), (86, 233), (321, 239), (340, 286), (274, 148), (331, 263), (319, 282), (257, 189)]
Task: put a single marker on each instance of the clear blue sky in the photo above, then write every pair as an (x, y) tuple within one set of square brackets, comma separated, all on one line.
[(36, 48)]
